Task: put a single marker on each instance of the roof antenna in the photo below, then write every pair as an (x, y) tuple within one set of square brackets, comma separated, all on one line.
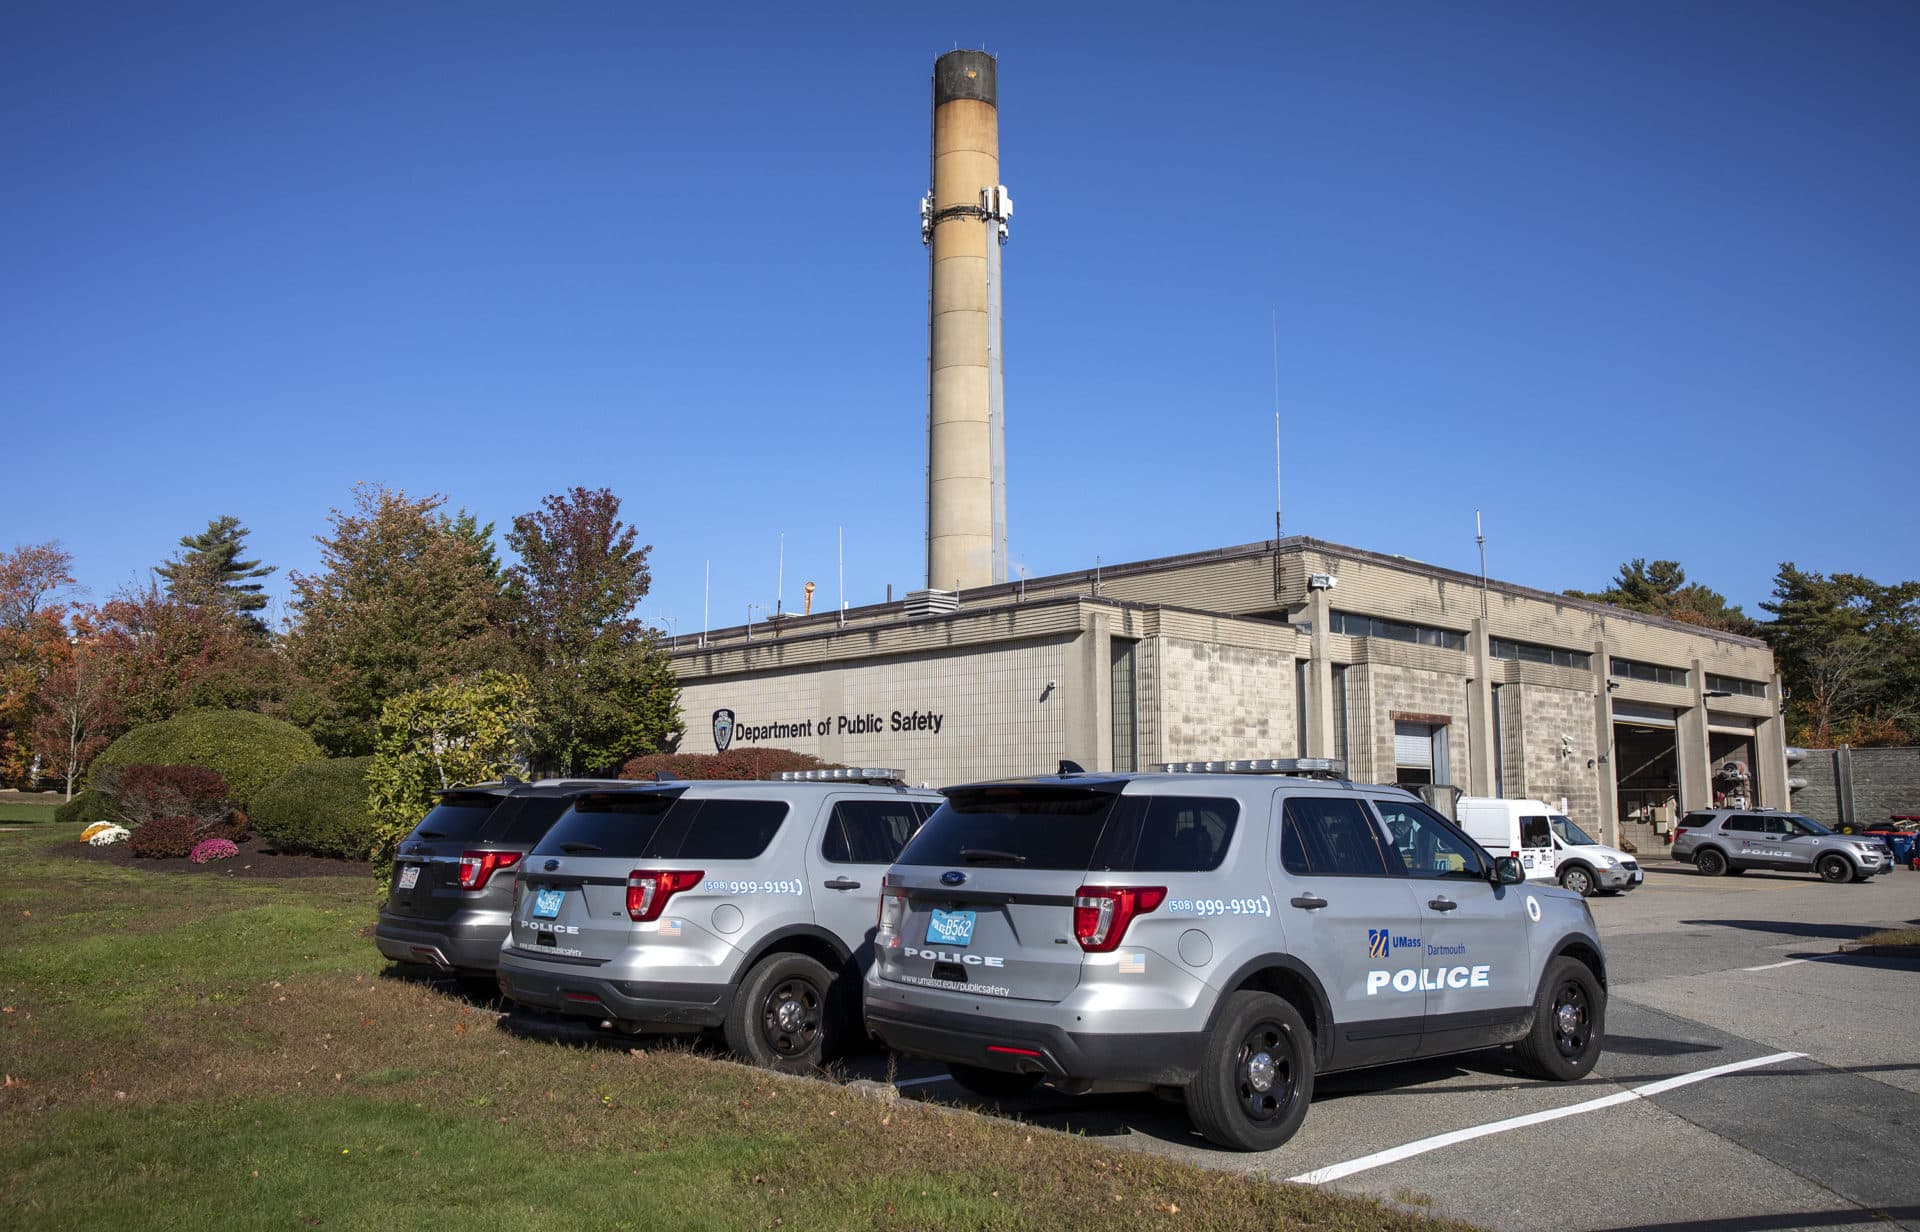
[(1276, 424), (1480, 538)]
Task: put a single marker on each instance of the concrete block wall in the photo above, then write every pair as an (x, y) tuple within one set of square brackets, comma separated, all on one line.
[(1376, 691), (1883, 781), (1222, 701), (1550, 772)]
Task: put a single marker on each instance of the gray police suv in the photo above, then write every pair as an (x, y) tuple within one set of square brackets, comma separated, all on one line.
[(451, 889), (1224, 936), (685, 906), (1717, 841)]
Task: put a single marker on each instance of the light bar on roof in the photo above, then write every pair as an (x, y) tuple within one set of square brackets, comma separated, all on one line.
[(849, 774), (1332, 766)]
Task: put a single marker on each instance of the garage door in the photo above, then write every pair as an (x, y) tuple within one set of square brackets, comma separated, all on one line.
[(1413, 745), (1644, 716)]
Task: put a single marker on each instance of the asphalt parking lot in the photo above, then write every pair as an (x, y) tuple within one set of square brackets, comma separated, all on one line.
[(1754, 1079)]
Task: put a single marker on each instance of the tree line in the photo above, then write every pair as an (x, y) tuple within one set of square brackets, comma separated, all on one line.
[(408, 596), (1847, 647)]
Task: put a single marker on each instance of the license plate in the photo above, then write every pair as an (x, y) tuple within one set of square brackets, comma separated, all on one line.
[(546, 904), (953, 928), (409, 876)]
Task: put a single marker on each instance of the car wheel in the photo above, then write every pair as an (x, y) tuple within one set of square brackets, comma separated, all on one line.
[(1578, 879), (992, 1083), (1710, 862), (786, 1015), (1569, 1023), (1256, 1074), (1836, 868)]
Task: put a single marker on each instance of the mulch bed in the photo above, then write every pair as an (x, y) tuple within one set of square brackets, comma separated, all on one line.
[(253, 861)]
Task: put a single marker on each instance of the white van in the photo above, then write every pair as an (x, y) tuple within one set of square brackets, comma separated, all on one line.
[(1522, 829), (1589, 867)]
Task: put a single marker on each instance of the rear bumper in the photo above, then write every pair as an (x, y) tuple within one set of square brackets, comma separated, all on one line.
[(449, 945), (1160, 1060), (636, 1004)]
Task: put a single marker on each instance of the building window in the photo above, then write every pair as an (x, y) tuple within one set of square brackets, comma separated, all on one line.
[(1301, 690), (1735, 686), (1126, 708), (1531, 652), (1340, 715), (1499, 746), (1355, 625), (1632, 669)]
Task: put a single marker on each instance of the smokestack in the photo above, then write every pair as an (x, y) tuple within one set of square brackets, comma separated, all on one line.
[(963, 222)]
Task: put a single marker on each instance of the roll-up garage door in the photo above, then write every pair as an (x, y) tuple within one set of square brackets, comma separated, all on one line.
[(1643, 716), (1413, 745)]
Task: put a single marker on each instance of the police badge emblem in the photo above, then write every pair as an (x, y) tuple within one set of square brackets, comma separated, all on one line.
[(722, 730)]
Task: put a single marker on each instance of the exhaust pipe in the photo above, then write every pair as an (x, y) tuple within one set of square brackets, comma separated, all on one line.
[(433, 955)]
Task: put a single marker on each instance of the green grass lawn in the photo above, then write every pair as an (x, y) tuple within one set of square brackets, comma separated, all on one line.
[(20, 810), (184, 1050)]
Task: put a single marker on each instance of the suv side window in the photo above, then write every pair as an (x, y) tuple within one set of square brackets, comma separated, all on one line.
[(1167, 834), (1746, 825), (1696, 821), (1330, 836), (1427, 846), (716, 829), (869, 831)]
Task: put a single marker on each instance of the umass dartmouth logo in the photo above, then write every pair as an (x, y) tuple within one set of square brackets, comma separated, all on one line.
[(1380, 940), (722, 730)]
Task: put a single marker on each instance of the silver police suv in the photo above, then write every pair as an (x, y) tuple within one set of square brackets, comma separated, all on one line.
[(1223, 932), (451, 889), (1717, 841), (687, 906)]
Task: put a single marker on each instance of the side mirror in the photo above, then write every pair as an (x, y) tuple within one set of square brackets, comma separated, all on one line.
[(1507, 871)]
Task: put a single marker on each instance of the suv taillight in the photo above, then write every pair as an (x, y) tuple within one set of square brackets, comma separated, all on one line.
[(649, 889), (1101, 913), (893, 910), (478, 867), (1678, 831)]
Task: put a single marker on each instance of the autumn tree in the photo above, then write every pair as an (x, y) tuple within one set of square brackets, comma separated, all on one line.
[(1662, 589), (163, 655), (208, 571), (1848, 650), (603, 688), (33, 641), (406, 598), (77, 711)]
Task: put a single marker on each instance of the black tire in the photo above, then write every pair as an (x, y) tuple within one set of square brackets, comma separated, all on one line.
[(1836, 869), (1256, 1074), (1579, 879), (1709, 862), (1569, 1023), (786, 1015), (992, 1083)]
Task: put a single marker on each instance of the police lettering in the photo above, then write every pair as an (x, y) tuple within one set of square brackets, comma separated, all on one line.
[(1429, 979), (971, 960)]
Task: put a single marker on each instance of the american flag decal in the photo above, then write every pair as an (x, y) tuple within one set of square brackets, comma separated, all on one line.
[(1133, 962)]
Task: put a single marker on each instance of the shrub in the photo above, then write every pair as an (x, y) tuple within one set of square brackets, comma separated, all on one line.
[(318, 807), (248, 750), (88, 807), (209, 849), (165, 838), (146, 792), (733, 764)]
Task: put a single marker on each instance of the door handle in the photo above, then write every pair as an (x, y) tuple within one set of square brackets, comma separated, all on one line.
[(1442, 904), (842, 883), (1309, 901)]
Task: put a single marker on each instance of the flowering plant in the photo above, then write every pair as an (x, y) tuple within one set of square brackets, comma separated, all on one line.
[(107, 835), (213, 849), (86, 835)]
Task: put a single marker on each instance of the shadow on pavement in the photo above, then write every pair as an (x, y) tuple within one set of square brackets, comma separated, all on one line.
[(1792, 928), (1800, 1219)]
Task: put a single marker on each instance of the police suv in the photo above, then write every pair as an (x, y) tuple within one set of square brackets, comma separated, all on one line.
[(1224, 931), (685, 906)]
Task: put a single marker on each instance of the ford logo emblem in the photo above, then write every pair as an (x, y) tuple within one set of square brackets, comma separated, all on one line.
[(953, 877), (552, 864)]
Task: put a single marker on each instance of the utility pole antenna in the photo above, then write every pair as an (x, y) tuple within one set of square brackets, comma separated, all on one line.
[(1276, 423), (1480, 538), (706, 603), (780, 579), (842, 614)]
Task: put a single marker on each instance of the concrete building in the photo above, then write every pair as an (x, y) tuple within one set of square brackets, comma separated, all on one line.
[(1409, 672)]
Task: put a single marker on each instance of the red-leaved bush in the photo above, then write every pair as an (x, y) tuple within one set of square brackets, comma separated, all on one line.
[(146, 792), (165, 838), (733, 764)]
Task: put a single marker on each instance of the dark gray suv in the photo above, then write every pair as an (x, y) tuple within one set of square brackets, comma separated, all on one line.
[(450, 897)]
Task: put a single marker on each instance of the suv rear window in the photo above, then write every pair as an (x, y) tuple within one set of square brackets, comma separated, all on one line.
[(459, 815), (524, 820), (1076, 829), (617, 824)]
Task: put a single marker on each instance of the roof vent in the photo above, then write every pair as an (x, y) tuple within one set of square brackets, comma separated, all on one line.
[(924, 603)]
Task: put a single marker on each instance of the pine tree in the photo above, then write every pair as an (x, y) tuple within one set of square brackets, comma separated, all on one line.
[(210, 573)]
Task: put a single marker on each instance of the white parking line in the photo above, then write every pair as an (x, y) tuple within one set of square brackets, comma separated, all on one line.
[(920, 1082), (1776, 966), (1333, 1172)]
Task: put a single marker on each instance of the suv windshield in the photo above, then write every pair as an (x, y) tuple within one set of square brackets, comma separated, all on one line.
[(1572, 835), (1796, 823)]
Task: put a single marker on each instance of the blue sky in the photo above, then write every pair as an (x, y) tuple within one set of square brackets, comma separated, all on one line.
[(1636, 279)]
